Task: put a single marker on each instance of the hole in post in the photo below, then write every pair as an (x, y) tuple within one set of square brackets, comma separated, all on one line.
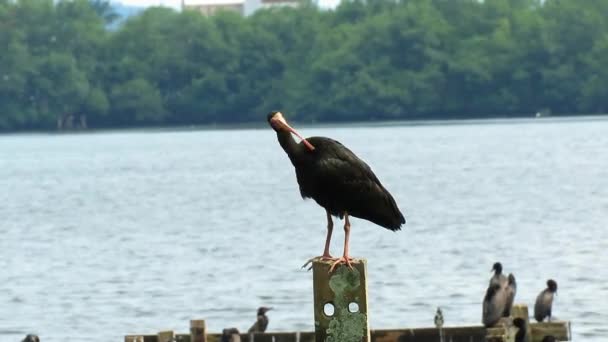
[(328, 309), (353, 307)]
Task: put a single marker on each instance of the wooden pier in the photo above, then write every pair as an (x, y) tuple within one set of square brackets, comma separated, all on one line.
[(341, 315)]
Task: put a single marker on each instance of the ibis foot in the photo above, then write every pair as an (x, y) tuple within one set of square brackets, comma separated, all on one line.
[(341, 260), (324, 257)]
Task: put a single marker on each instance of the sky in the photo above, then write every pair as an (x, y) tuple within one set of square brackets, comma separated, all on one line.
[(176, 3)]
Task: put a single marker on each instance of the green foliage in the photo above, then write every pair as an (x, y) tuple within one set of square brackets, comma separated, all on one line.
[(137, 101), (365, 60)]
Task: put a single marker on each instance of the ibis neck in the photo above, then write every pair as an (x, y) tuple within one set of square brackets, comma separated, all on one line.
[(289, 145)]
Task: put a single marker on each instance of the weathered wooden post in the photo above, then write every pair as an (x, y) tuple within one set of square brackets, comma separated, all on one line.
[(340, 302), (166, 336), (500, 332), (198, 331), (560, 330), (521, 311)]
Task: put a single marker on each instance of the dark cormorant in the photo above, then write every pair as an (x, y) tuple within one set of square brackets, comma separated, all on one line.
[(231, 335), (498, 277), (439, 318), (337, 180), (511, 290), (493, 305), (261, 323), (544, 301), (521, 335), (31, 338)]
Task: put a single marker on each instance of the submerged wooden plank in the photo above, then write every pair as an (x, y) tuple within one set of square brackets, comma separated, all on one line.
[(214, 337), (270, 336), (182, 338), (141, 338), (560, 329), (454, 334)]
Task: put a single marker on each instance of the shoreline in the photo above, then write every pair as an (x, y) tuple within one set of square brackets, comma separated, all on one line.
[(303, 124)]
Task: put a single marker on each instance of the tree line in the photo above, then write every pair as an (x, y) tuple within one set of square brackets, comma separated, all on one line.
[(365, 60)]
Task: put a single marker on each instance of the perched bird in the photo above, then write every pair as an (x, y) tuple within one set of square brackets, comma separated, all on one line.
[(549, 338), (337, 180), (511, 290), (439, 318), (521, 335), (231, 335), (493, 305), (261, 323), (498, 277), (31, 338), (544, 301)]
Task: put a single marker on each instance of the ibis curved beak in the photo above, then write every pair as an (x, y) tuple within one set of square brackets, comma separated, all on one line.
[(279, 121)]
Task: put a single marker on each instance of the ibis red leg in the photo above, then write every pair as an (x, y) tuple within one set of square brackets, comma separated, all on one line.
[(330, 228), (345, 259), (326, 255)]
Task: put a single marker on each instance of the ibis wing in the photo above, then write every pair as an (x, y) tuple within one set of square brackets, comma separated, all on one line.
[(336, 157), (347, 183)]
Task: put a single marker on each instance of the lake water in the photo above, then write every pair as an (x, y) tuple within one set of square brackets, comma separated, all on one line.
[(113, 233)]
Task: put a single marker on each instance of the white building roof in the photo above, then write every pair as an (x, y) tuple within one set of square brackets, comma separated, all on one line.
[(213, 2)]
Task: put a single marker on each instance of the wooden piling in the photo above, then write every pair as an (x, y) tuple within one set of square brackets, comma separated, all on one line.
[(198, 331), (521, 311), (166, 336), (450, 334), (134, 338), (340, 302), (500, 332)]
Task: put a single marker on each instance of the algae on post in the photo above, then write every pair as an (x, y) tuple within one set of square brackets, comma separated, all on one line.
[(345, 326)]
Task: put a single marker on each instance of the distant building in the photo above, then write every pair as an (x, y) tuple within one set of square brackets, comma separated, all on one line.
[(254, 5), (210, 7), (243, 7)]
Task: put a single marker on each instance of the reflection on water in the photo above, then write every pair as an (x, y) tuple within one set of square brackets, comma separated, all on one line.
[(133, 232)]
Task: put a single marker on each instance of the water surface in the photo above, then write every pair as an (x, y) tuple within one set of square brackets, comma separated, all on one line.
[(114, 233)]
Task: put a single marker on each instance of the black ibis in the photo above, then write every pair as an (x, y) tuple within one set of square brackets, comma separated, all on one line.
[(544, 301), (337, 180), (261, 322)]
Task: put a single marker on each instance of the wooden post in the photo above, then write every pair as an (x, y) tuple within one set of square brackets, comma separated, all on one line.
[(165, 336), (521, 311), (501, 331), (198, 331), (344, 291)]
